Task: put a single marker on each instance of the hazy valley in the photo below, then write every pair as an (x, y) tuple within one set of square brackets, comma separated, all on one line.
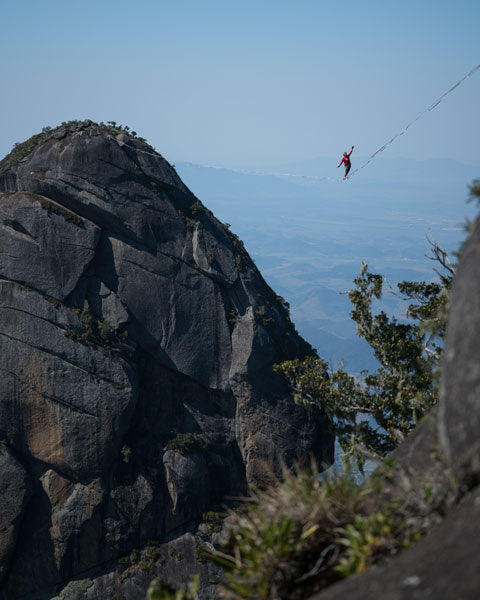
[(309, 237)]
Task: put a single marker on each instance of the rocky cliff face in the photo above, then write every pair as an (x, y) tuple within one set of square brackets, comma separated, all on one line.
[(137, 340)]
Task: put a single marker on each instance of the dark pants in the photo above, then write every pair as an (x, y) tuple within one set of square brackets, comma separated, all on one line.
[(347, 168)]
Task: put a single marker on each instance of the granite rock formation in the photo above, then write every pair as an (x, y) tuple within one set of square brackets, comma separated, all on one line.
[(137, 340)]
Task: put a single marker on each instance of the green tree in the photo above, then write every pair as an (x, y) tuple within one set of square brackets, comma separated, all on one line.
[(404, 387)]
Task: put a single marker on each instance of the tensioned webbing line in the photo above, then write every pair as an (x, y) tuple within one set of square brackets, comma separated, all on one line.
[(312, 177), (262, 173), (368, 161), (404, 130)]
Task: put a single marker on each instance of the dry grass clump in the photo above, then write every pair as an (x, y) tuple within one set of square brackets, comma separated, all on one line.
[(292, 540)]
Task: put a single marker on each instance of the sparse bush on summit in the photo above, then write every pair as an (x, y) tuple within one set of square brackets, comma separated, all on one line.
[(23, 149)]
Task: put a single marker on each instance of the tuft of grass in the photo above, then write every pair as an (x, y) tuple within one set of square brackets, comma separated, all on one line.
[(306, 533), (233, 317), (51, 207), (213, 521), (149, 559), (96, 331), (369, 538), (196, 208), (23, 149), (126, 452), (269, 546), (262, 314), (239, 262), (159, 590), (184, 443)]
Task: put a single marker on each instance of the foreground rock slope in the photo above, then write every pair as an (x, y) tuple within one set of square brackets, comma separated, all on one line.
[(137, 340)]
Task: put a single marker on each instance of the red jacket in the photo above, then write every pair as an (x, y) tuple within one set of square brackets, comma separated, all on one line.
[(346, 159)]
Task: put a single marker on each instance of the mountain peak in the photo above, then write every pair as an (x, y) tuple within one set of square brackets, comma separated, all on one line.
[(132, 321)]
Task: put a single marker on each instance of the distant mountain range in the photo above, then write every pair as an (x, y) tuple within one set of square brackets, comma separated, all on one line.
[(309, 237)]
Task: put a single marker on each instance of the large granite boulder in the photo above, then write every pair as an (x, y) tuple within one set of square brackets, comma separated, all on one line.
[(137, 340)]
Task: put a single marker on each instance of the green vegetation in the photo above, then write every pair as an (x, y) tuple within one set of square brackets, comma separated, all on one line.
[(51, 207), (126, 452), (184, 443), (213, 520), (307, 533), (151, 558), (97, 331), (53, 301), (262, 315), (239, 262), (370, 538), (404, 388), (233, 317), (117, 128), (200, 552), (191, 214), (191, 223), (196, 208), (148, 560), (284, 303), (158, 590), (23, 149), (242, 259), (236, 241)]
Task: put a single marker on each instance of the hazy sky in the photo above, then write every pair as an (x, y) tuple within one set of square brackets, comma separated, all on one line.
[(237, 82)]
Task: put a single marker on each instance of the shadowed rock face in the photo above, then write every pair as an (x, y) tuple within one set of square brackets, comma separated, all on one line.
[(14, 483), (128, 312)]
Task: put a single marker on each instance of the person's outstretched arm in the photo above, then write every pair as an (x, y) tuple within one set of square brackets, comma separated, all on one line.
[(351, 150)]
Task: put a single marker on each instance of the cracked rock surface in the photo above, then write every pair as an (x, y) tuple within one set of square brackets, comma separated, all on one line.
[(131, 322)]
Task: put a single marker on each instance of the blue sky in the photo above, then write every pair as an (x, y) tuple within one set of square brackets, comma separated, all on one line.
[(251, 82)]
